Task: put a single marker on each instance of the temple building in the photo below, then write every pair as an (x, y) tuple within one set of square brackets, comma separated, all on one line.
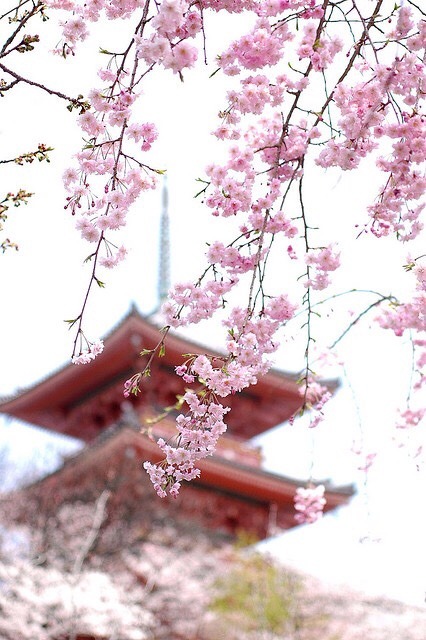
[(233, 493)]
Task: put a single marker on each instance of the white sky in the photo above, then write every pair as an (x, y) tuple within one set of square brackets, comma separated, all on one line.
[(43, 283)]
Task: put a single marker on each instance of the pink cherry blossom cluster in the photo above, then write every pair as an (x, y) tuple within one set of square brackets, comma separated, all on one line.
[(250, 341), (231, 259), (321, 263), (89, 354), (108, 179), (198, 431), (320, 52), (256, 92), (364, 458), (309, 503), (250, 338), (189, 303), (362, 108), (201, 427), (263, 46), (410, 317), (401, 317), (315, 396), (404, 316), (404, 23), (232, 6), (131, 385), (232, 185), (410, 418), (398, 208), (74, 28), (229, 376), (168, 45)]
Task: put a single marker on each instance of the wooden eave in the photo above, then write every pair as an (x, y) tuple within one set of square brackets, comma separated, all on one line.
[(276, 391), (217, 473)]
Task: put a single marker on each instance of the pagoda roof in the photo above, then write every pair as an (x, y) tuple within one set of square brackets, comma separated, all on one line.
[(273, 400), (231, 478)]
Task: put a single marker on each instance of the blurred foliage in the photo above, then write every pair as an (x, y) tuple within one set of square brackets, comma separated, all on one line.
[(260, 600)]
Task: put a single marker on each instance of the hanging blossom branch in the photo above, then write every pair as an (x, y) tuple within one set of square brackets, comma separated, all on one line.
[(21, 22), (410, 317), (363, 313), (325, 259), (19, 18), (298, 96), (131, 386), (370, 102), (16, 43), (251, 337), (110, 176)]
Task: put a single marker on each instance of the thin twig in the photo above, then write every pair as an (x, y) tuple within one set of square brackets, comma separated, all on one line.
[(358, 318), (33, 83), (98, 520)]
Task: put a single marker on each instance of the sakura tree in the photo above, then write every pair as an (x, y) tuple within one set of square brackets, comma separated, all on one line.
[(308, 87), (68, 577), (170, 582), (63, 583)]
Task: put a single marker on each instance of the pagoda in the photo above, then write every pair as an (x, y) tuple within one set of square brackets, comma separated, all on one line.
[(233, 493)]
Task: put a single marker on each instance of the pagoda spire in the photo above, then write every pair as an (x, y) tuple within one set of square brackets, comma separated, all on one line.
[(164, 252)]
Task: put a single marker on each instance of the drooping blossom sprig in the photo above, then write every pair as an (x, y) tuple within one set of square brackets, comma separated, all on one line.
[(18, 42), (111, 173), (15, 199), (365, 458), (198, 432), (250, 341), (132, 384), (409, 318), (20, 18), (309, 503)]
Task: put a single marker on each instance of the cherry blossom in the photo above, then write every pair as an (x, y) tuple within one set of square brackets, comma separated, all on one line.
[(309, 503)]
